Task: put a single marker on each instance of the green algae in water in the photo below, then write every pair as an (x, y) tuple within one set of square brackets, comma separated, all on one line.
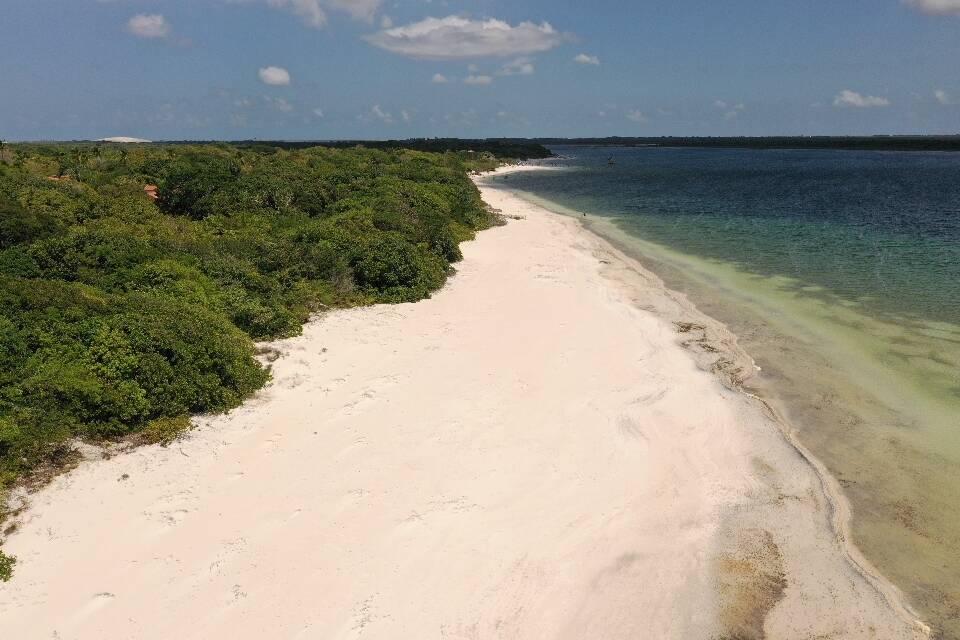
[(840, 272)]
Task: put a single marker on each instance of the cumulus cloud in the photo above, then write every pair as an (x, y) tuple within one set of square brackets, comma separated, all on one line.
[(380, 114), (455, 37), (636, 116), (274, 75), (522, 66), (848, 98), (942, 96), (309, 11), (477, 79), (318, 112), (439, 78), (313, 13), (584, 58), (936, 7), (730, 110), (152, 25)]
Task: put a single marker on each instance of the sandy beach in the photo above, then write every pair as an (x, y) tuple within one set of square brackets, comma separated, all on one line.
[(552, 446)]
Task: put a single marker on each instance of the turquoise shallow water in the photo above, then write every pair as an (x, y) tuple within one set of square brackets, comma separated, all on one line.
[(840, 272)]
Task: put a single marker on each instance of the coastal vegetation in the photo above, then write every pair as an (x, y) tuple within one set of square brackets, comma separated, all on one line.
[(134, 280)]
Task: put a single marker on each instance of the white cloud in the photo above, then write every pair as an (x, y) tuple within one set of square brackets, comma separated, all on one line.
[(274, 75), (279, 104), (386, 22), (848, 98), (730, 110), (382, 115), (942, 96), (481, 79), (318, 112), (636, 116), (313, 13), (151, 25), (405, 115), (522, 66), (309, 11), (936, 7), (455, 37), (583, 58), (439, 78)]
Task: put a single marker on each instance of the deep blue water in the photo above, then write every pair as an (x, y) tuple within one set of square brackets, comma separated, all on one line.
[(879, 228)]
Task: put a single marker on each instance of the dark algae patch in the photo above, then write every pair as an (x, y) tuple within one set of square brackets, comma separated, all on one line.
[(750, 583)]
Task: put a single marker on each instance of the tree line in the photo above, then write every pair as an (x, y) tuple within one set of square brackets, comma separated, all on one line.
[(123, 310)]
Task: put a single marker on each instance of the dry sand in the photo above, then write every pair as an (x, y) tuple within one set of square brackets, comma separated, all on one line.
[(535, 452)]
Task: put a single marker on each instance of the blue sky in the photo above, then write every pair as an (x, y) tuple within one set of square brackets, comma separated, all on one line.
[(322, 69)]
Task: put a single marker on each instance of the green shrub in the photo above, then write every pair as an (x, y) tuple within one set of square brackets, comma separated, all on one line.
[(120, 315), (163, 431), (6, 566)]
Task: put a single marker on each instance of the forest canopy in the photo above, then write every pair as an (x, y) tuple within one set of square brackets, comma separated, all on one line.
[(125, 309)]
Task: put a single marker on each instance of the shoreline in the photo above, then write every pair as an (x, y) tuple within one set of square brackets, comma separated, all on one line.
[(461, 491), (718, 345)]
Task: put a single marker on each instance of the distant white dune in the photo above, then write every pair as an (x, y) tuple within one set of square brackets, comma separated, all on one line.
[(122, 139)]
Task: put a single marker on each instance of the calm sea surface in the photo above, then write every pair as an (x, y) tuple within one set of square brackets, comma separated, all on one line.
[(840, 272)]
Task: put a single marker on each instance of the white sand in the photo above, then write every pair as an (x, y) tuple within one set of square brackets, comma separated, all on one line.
[(529, 454)]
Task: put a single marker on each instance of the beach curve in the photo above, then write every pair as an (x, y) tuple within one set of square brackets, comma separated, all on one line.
[(537, 456)]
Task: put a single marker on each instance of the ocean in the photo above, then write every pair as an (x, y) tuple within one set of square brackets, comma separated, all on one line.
[(840, 273)]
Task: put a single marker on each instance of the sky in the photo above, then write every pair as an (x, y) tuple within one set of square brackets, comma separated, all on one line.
[(375, 69)]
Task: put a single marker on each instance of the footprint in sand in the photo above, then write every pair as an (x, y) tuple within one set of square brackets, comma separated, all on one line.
[(650, 397), (630, 428), (292, 382), (169, 511), (356, 405), (97, 602)]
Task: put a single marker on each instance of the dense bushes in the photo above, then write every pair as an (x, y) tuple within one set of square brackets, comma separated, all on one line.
[(123, 316)]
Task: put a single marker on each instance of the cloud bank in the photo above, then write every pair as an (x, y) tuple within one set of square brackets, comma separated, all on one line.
[(455, 37), (848, 98)]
